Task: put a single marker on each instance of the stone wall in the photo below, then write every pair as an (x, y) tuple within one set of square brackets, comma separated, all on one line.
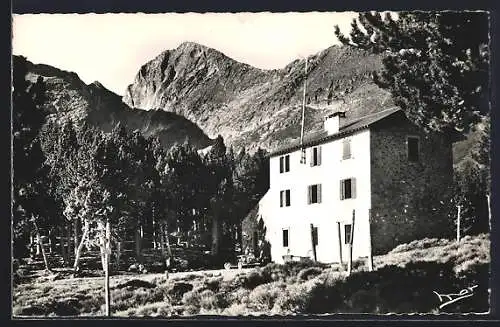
[(410, 200)]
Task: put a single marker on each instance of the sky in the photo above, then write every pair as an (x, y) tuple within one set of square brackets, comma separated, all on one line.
[(110, 48)]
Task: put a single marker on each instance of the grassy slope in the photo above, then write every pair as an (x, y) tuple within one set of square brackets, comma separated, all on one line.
[(403, 282)]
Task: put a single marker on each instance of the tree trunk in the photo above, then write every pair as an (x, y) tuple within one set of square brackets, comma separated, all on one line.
[(118, 254), (78, 251), (162, 241), (102, 244), (75, 235), (154, 227), (106, 270), (38, 248), (68, 241), (62, 245), (215, 235), (239, 238), (167, 241), (138, 245), (51, 240), (40, 244)]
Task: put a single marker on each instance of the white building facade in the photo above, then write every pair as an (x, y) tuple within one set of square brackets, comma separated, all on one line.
[(313, 202), (380, 168)]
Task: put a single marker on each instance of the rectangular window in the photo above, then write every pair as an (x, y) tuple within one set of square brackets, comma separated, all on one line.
[(285, 198), (315, 156), (347, 233), (315, 235), (348, 188), (284, 164), (314, 194), (413, 148), (346, 149), (285, 238)]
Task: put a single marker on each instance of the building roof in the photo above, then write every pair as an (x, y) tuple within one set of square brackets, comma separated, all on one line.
[(350, 126)]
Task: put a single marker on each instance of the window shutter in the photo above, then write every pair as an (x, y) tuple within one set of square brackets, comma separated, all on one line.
[(353, 187), (287, 198), (287, 163), (285, 237), (342, 190), (281, 198), (319, 155), (311, 163), (309, 191), (346, 153), (281, 164), (319, 193)]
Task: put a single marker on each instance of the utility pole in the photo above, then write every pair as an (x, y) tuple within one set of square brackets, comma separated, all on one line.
[(349, 263), (459, 207), (313, 239), (340, 245), (370, 254)]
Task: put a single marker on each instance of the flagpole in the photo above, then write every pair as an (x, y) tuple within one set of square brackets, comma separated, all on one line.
[(303, 107)]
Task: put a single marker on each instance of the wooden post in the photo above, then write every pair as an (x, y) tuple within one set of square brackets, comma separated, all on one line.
[(154, 227), (75, 231), (313, 244), (68, 240), (489, 207), (106, 270), (38, 242), (370, 254), (349, 263), (162, 243), (459, 207), (62, 244), (340, 244)]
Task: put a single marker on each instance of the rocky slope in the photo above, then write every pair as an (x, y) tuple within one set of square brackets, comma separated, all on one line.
[(252, 107), (68, 97)]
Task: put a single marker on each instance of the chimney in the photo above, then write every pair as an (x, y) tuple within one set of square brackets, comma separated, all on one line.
[(332, 122)]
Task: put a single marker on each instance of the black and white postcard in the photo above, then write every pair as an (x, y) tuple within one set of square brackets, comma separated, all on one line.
[(250, 164)]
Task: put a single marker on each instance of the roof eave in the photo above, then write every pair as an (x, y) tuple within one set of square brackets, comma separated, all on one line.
[(317, 141)]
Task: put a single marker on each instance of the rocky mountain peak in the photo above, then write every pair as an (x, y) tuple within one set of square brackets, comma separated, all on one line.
[(98, 85), (250, 106)]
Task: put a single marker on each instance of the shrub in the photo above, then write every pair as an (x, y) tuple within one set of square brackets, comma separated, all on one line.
[(239, 296), (255, 278), (191, 298), (307, 273), (178, 290), (262, 298), (135, 283), (208, 300), (191, 310), (153, 309), (124, 298), (237, 309), (213, 283)]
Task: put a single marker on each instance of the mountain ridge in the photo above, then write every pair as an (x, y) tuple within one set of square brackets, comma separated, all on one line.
[(69, 98), (201, 93), (238, 101)]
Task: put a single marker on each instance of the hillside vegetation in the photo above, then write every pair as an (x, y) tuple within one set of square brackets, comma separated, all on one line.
[(403, 282)]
